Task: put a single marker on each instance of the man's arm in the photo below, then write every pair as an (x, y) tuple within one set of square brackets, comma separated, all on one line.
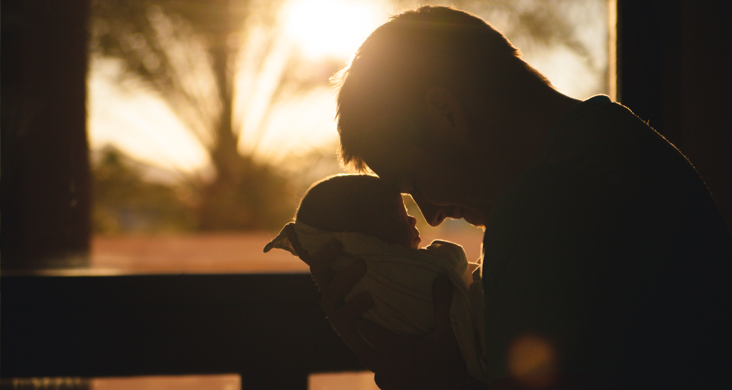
[(432, 361)]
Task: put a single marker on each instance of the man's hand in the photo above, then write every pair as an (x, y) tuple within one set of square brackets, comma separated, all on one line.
[(432, 361)]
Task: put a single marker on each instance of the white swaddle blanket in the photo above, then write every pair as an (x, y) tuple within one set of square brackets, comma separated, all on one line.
[(400, 281)]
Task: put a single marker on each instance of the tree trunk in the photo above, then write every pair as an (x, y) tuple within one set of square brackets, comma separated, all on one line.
[(222, 206)]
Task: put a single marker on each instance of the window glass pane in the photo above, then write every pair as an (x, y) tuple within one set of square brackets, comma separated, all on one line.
[(208, 121)]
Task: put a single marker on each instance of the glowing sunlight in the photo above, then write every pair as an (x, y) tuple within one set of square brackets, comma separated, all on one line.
[(330, 27), (138, 122)]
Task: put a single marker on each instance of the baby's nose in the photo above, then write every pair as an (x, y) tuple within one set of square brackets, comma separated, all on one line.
[(412, 220)]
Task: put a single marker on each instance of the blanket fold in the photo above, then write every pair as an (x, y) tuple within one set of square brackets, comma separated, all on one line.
[(400, 280)]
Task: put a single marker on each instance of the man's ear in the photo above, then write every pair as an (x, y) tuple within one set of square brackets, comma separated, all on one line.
[(445, 111)]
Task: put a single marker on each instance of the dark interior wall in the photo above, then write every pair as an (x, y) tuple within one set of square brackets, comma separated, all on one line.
[(705, 99), (45, 169), (674, 65)]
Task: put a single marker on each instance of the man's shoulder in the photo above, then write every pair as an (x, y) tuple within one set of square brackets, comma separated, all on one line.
[(606, 175)]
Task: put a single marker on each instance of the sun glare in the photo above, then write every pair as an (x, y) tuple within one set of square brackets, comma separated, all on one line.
[(332, 27)]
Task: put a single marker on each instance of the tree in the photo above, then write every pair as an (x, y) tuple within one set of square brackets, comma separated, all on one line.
[(575, 31), (194, 53), (127, 203)]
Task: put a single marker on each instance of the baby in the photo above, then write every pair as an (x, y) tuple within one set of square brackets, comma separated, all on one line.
[(369, 218), (359, 203)]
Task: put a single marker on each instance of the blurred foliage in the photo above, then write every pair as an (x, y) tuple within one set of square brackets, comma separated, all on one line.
[(207, 59), (212, 60), (124, 202), (256, 198), (544, 22), (540, 25)]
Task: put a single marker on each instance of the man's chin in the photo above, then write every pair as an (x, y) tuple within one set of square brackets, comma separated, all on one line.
[(474, 217), (455, 213)]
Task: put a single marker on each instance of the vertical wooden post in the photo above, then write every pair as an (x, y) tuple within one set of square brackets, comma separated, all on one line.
[(45, 167)]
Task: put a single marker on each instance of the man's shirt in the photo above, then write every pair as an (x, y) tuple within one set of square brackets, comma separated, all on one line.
[(605, 257)]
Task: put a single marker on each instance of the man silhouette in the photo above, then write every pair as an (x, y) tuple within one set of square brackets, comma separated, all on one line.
[(603, 250)]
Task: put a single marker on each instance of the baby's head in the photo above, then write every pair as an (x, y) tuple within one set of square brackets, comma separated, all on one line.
[(359, 203)]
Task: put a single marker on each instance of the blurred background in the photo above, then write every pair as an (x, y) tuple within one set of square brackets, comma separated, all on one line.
[(207, 120)]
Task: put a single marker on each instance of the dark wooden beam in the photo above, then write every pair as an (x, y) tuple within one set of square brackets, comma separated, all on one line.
[(45, 167), (268, 328)]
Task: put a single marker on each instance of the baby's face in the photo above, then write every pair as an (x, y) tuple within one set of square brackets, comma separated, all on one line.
[(393, 225)]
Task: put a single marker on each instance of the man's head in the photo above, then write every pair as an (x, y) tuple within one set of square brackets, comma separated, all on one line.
[(392, 71), (416, 88), (359, 203)]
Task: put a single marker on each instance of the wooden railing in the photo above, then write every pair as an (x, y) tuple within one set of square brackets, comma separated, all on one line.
[(269, 328)]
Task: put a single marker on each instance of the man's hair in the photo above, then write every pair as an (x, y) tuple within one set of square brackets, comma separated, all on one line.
[(428, 47), (344, 202)]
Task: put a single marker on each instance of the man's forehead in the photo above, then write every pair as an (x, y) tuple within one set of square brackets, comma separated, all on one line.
[(389, 158), (389, 149), (391, 169)]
